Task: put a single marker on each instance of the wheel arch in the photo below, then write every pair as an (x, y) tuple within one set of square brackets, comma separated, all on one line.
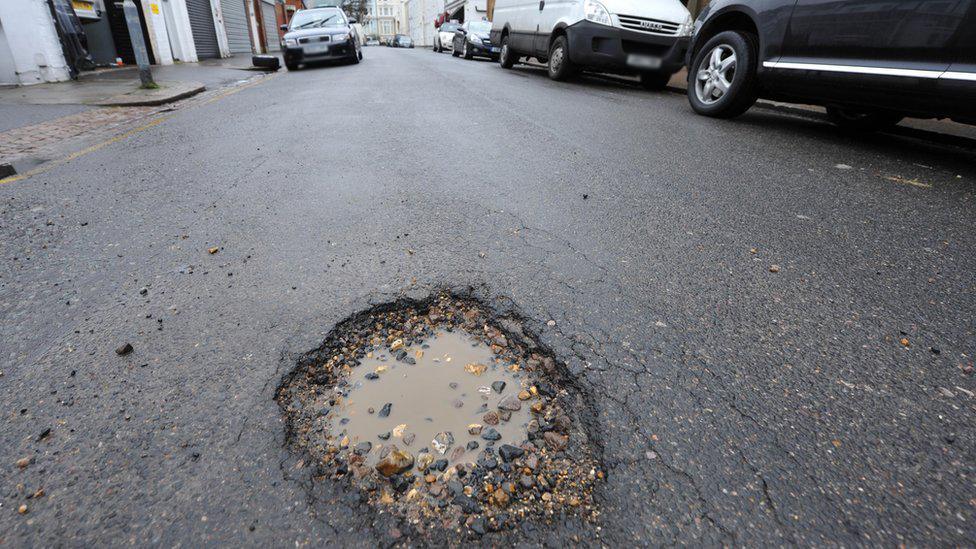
[(557, 31), (731, 18)]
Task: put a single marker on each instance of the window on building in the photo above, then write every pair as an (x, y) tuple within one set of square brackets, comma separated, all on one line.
[(386, 27)]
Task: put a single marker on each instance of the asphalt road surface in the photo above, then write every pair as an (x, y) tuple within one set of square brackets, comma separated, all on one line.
[(827, 402)]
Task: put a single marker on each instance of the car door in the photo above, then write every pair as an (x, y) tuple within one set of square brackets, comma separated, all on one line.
[(879, 53), (957, 86), (550, 13)]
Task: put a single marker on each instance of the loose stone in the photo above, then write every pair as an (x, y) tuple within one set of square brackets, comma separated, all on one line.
[(509, 452), (555, 441), (491, 418), (396, 462), (442, 441), (510, 403), (498, 386), (491, 434), (385, 410)]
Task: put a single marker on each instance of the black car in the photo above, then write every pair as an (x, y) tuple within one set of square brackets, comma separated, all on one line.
[(473, 38), (870, 63), (322, 34), (401, 41)]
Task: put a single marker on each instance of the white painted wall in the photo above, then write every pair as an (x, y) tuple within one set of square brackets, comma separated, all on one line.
[(152, 11), (421, 14), (181, 31), (220, 29), (32, 42)]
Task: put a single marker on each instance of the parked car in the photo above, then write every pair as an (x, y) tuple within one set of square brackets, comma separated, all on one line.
[(444, 36), (321, 34), (401, 41), (616, 36), (372, 42), (868, 63), (473, 38)]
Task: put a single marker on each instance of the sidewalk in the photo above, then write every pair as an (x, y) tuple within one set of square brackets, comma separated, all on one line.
[(44, 121)]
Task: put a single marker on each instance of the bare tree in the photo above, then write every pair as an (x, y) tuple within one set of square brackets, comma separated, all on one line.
[(357, 9)]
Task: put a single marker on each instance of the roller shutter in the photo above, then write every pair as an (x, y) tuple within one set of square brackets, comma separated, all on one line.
[(202, 28), (235, 23), (270, 26)]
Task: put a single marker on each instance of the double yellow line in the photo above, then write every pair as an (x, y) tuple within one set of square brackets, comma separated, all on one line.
[(155, 122)]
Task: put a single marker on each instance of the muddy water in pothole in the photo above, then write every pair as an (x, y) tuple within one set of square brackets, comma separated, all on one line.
[(455, 381)]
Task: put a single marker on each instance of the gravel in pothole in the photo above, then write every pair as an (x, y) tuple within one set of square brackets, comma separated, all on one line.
[(443, 418), (444, 398)]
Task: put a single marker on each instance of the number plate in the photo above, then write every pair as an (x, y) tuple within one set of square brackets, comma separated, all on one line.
[(316, 48), (644, 61), (495, 50)]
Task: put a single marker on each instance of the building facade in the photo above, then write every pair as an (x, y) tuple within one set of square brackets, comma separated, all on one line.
[(31, 32), (388, 18), (421, 15)]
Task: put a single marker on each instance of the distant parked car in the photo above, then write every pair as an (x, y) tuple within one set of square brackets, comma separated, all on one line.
[(868, 63), (401, 41), (372, 42), (322, 34), (444, 37), (646, 38), (473, 38)]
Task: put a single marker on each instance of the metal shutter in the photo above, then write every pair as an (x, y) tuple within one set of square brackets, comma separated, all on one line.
[(202, 28), (235, 23), (270, 26)]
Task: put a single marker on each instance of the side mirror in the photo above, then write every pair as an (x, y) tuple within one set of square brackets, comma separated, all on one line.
[(284, 28), (352, 21)]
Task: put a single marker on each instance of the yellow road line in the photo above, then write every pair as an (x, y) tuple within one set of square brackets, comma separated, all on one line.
[(58, 162)]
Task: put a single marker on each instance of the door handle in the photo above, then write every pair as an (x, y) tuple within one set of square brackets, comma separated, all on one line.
[(542, 4)]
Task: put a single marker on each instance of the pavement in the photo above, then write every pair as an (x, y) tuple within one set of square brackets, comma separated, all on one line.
[(775, 320)]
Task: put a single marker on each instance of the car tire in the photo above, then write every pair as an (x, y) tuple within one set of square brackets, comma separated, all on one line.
[(561, 68), (862, 121), (506, 58), (454, 52), (291, 66), (466, 53), (735, 81), (655, 80), (360, 55)]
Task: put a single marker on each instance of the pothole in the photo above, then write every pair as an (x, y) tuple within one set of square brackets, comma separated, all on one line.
[(444, 415)]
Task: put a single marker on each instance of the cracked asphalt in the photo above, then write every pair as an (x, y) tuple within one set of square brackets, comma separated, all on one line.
[(825, 403)]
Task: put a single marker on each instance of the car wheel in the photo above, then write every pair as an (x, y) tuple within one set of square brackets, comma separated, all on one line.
[(560, 66), (655, 80), (359, 55), (455, 52), (291, 66), (506, 58), (723, 81), (467, 52), (862, 121)]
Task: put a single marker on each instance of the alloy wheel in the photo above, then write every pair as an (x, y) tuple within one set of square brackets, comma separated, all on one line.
[(715, 74)]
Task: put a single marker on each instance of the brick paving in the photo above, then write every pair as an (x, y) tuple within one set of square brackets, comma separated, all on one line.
[(62, 135), (49, 136)]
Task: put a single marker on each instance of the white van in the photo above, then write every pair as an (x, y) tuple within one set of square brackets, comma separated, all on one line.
[(648, 38)]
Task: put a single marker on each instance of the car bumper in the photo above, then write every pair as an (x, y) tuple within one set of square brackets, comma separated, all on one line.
[(482, 50), (612, 49), (337, 50)]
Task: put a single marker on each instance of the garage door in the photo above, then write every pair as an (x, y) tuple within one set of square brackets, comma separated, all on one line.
[(202, 28), (270, 26), (235, 22)]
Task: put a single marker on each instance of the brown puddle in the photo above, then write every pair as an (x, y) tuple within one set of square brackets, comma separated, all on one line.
[(433, 404)]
